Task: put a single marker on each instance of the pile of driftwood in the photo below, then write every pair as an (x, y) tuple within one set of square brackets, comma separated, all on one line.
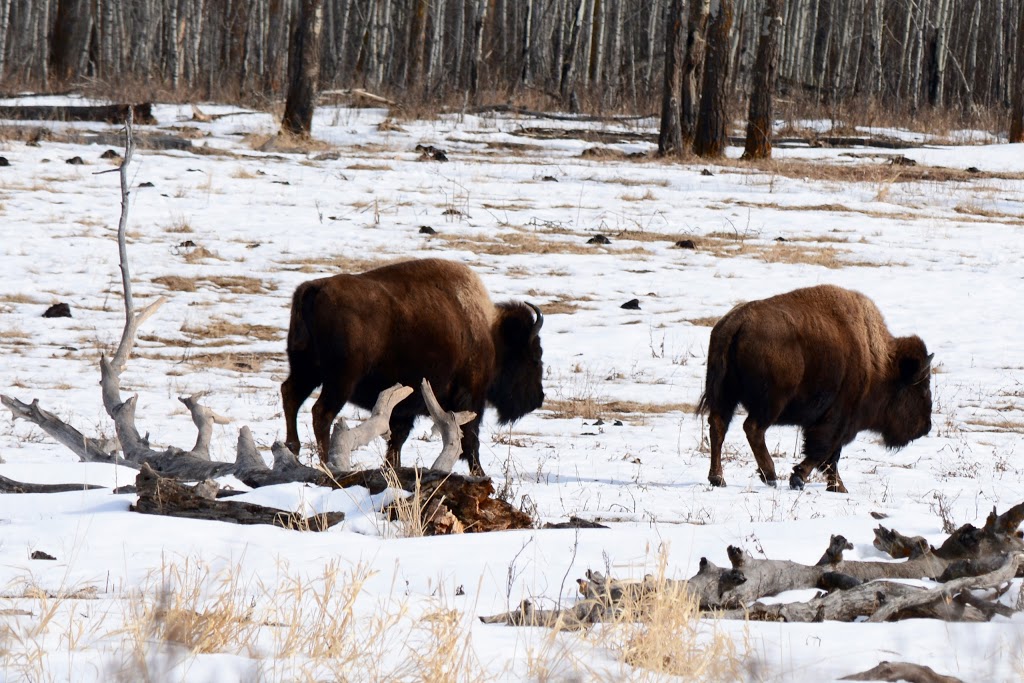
[(973, 568), (446, 502)]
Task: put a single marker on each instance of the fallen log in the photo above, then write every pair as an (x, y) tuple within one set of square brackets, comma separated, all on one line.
[(164, 496), (107, 113), (11, 486), (901, 671)]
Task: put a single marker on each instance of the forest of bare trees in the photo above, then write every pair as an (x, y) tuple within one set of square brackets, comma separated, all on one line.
[(597, 55)]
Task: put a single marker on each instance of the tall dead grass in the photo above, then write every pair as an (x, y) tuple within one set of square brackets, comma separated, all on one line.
[(311, 624), (662, 631)]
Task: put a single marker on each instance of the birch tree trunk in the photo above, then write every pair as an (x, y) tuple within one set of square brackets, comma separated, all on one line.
[(526, 73), (565, 85), (1017, 118), (759, 120), (303, 69), (479, 16), (713, 119)]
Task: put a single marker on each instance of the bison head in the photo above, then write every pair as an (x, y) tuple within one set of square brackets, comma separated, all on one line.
[(908, 415), (517, 388)]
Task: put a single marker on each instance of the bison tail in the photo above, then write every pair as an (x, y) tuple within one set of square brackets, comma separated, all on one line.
[(714, 397), (300, 338)]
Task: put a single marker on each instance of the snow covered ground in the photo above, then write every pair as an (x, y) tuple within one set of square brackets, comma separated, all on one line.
[(226, 233)]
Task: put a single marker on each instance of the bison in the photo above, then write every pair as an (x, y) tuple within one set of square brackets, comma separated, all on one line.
[(821, 358), (359, 334)]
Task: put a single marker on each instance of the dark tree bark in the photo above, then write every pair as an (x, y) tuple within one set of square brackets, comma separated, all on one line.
[(1017, 122), (303, 69), (713, 118), (70, 39), (760, 118), (670, 141), (693, 67)]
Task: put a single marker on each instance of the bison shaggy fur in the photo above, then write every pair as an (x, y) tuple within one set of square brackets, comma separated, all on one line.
[(821, 358), (357, 335)]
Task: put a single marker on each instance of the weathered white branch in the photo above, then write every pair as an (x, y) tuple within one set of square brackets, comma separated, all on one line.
[(947, 590), (448, 424), (344, 440), (204, 419), (86, 448)]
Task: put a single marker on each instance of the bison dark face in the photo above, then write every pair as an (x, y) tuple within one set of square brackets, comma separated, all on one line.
[(517, 388), (908, 415)]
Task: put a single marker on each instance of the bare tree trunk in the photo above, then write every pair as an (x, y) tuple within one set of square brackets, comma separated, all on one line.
[(417, 42), (70, 38), (479, 16), (693, 65), (565, 84), (1017, 118), (760, 119), (526, 73), (972, 58), (670, 141), (436, 42), (937, 87), (877, 23), (713, 119), (304, 69)]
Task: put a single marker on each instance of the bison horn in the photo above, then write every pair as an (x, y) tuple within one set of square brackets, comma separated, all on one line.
[(926, 368), (540, 320)]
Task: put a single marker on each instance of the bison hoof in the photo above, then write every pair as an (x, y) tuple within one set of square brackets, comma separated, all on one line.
[(796, 482), (774, 483), (717, 480), (836, 488)]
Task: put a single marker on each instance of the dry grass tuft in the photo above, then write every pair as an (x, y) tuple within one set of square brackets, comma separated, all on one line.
[(218, 328), (707, 321), (236, 284), (332, 265), (20, 298), (662, 630), (883, 171), (523, 242), (361, 166), (199, 254), (589, 407), (282, 143), (191, 359), (557, 303), (176, 283)]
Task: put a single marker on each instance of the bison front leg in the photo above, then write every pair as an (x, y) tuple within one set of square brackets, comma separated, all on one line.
[(834, 482), (821, 451), (400, 425), (471, 445), (765, 464)]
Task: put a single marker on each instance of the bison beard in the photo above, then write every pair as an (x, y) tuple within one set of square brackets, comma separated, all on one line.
[(820, 358), (357, 335)]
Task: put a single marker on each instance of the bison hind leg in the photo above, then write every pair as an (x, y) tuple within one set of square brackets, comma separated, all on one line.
[(718, 425), (294, 392)]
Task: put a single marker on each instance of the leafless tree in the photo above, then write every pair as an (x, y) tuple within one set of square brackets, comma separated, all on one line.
[(713, 117), (303, 68), (760, 119)]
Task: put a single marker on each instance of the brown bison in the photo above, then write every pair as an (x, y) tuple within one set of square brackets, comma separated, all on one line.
[(821, 358), (360, 334)]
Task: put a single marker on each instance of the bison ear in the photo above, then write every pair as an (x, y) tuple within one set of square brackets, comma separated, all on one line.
[(914, 369)]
